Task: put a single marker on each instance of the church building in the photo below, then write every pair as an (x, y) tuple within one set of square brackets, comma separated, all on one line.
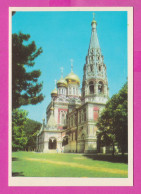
[(72, 114)]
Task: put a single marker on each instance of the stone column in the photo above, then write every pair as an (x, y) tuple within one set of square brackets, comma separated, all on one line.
[(59, 146), (105, 89), (96, 88)]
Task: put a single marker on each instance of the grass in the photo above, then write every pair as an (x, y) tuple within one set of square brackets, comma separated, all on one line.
[(30, 164)]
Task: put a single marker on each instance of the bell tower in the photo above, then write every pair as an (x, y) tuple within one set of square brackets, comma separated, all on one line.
[(95, 83)]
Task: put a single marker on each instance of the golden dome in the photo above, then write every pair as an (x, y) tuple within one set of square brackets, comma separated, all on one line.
[(62, 82), (71, 77), (93, 21), (54, 92)]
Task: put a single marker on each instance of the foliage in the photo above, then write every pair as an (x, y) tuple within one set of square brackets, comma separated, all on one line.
[(24, 131), (25, 87), (19, 138), (31, 129), (112, 124)]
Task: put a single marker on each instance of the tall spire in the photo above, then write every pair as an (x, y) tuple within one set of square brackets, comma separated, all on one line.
[(94, 43), (95, 82)]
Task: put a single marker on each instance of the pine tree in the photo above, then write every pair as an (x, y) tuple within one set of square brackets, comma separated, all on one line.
[(25, 87)]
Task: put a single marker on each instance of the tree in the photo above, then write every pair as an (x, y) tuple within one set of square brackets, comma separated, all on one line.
[(25, 87), (112, 124), (31, 129), (19, 138)]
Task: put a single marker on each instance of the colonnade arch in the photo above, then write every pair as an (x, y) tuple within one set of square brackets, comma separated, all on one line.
[(52, 143)]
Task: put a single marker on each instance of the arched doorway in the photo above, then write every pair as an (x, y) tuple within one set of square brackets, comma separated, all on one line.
[(52, 143), (65, 140)]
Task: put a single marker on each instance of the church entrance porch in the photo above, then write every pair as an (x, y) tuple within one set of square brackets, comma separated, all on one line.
[(52, 143)]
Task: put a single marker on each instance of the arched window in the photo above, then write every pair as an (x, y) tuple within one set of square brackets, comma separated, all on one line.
[(99, 68), (91, 67), (73, 91), (91, 87), (77, 91), (70, 90), (100, 87), (63, 118)]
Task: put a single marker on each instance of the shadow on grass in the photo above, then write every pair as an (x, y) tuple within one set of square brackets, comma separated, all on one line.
[(15, 159), (17, 174), (109, 158)]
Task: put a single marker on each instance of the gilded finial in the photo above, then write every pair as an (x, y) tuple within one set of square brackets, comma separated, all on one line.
[(71, 65), (62, 71), (55, 81), (93, 16)]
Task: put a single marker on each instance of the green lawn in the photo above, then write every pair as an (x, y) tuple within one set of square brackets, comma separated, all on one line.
[(30, 164)]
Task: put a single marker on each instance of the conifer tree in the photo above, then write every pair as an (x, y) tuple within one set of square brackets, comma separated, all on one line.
[(25, 86)]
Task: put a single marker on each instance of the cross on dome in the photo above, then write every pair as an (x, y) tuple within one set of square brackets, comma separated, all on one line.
[(93, 15), (62, 71), (71, 65), (55, 81)]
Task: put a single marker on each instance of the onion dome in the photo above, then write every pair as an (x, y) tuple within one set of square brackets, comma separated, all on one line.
[(54, 93), (72, 78), (93, 21), (62, 82)]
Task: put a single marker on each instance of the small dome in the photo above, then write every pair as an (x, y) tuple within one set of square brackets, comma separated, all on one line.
[(72, 77), (54, 92), (62, 83), (93, 21)]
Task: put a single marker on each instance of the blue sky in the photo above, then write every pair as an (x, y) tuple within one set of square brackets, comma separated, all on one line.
[(66, 35)]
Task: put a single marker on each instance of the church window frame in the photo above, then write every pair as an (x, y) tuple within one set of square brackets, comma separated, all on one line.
[(100, 87), (91, 87), (63, 117), (91, 67), (73, 90), (77, 91), (69, 90), (96, 113), (99, 68)]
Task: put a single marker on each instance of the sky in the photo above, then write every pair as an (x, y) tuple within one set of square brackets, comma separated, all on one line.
[(66, 35)]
